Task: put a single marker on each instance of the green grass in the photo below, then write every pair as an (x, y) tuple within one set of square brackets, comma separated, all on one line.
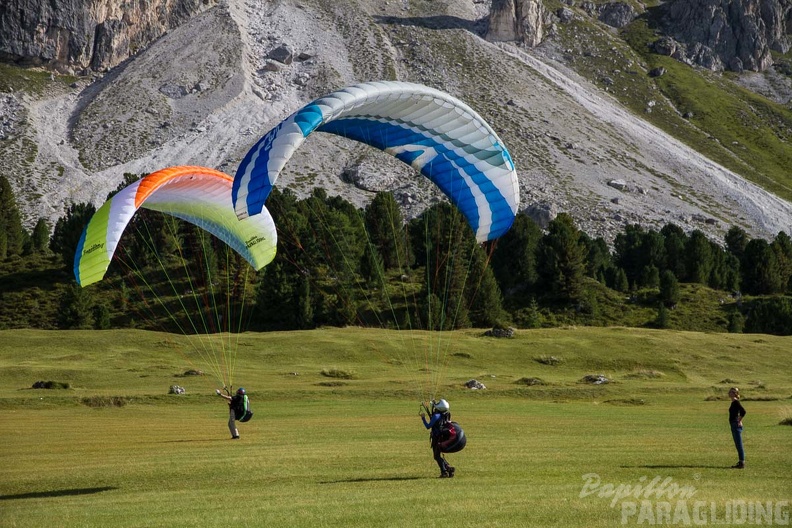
[(31, 80), (356, 454)]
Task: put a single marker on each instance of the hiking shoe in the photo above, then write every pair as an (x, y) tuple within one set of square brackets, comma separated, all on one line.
[(445, 474), (739, 465)]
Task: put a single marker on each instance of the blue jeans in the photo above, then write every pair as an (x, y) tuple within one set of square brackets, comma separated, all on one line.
[(738, 443)]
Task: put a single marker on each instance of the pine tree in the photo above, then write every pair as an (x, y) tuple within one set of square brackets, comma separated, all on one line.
[(169, 240), (675, 241), (562, 259), (736, 239), (444, 243), (699, 258), (387, 231), (771, 315), (101, 317), (431, 312), (304, 305), (650, 277), (760, 270), (68, 230), (12, 235), (337, 239), (343, 310), (76, 309), (486, 305), (532, 317), (627, 252), (372, 268), (637, 251), (276, 308), (598, 257), (663, 319), (653, 251), (725, 274), (514, 258), (41, 236), (736, 322), (669, 289), (620, 281), (782, 247)]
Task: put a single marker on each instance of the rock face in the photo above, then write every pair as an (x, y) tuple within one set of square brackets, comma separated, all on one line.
[(70, 35), (205, 92), (724, 34), (616, 14), (517, 21)]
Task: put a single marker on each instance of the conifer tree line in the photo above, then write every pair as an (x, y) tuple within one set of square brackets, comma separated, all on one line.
[(341, 265)]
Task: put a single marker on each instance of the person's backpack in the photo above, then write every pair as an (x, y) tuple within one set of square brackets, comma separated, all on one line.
[(455, 441), (241, 407)]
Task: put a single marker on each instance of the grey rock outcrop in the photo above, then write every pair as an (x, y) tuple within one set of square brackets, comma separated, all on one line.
[(204, 92), (517, 21), (734, 35), (614, 14), (617, 14), (71, 36)]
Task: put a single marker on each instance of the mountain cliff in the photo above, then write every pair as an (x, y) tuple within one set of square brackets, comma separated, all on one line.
[(576, 92), (70, 36)]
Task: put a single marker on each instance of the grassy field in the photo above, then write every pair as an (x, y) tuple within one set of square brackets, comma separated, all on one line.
[(114, 449)]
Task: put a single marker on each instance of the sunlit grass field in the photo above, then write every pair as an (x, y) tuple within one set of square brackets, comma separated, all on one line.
[(328, 451)]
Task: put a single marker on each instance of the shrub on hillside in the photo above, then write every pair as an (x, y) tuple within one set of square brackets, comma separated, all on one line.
[(51, 385), (338, 373), (529, 381), (104, 401), (770, 316)]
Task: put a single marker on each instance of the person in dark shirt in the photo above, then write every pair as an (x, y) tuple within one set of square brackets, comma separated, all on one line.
[(237, 405), (736, 414)]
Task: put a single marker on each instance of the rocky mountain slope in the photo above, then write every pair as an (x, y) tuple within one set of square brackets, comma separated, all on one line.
[(205, 91)]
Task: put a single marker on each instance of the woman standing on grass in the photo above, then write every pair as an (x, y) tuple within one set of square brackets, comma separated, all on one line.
[(736, 414)]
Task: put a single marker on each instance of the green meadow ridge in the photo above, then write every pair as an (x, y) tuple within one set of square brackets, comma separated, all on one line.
[(114, 449), (638, 362)]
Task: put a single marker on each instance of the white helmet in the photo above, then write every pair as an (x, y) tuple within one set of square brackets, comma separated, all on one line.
[(441, 406)]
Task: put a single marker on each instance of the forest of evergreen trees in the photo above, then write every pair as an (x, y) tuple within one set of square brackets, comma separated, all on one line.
[(340, 265)]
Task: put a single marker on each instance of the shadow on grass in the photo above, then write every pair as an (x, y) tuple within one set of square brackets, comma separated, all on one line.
[(57, 493), (373, 479), (195, 440), (676, 466)]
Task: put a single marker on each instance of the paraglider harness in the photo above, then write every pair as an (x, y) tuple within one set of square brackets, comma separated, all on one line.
[(446, 435), (241, 406)]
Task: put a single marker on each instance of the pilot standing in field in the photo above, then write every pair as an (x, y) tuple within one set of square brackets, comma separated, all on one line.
[(441, 434), (237, 408)]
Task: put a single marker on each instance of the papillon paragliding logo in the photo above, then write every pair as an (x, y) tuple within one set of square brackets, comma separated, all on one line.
[(94, 247), (199, 196), (433, 132)]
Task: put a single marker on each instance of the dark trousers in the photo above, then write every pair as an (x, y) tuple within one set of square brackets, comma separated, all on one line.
[(438, 456)]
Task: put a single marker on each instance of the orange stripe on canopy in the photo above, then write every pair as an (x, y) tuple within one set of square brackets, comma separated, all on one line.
[(155, 180)]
